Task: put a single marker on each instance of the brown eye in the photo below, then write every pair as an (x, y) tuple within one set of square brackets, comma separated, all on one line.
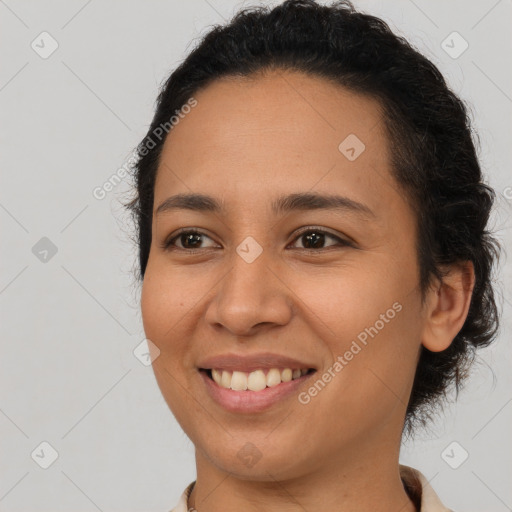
[(313, 238), (190, 240)]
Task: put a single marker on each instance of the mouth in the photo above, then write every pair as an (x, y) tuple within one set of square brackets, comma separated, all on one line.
[(257, 380), (240, 392)]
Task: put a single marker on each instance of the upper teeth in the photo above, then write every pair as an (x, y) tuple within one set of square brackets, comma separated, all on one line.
[(257, 380)]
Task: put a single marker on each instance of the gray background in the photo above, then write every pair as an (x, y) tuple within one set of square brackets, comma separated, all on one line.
[(71, 321)]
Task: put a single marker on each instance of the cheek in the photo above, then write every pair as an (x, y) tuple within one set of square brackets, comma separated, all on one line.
[(368, 316), (153, 304), (161, 311), (164, 301), (170, 308), (161, 314), (344, 302)]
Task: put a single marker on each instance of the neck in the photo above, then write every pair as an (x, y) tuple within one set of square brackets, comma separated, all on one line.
[(345, 484)]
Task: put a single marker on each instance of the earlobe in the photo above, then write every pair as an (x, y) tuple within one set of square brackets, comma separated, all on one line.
[(448, 306)]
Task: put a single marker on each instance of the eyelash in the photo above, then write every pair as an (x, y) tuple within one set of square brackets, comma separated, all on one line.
[(169, 243)]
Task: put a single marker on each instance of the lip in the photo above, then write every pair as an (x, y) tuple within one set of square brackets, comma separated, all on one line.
[(250, 402), (252, 362)]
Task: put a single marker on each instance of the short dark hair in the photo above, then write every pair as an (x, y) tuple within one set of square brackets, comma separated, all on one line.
[(430, 135)]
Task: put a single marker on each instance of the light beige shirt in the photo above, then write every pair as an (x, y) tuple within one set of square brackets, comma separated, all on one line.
[(429, 499)]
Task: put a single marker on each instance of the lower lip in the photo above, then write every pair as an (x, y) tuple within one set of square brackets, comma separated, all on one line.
[(251, 401)]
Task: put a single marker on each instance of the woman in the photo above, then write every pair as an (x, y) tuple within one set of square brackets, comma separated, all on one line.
[(314, 258)]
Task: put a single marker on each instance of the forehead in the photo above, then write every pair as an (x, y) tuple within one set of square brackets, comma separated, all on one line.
[(300, 109), (276, 131)]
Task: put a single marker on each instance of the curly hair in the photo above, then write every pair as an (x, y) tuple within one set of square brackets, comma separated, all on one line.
[(433, 156)]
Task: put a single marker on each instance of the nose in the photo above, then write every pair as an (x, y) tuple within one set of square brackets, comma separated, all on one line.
[(250, 295)]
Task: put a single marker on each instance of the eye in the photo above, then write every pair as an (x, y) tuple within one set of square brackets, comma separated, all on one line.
[(190, 240), (316, 237)]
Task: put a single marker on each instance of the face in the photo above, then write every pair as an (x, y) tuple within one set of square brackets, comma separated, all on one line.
[(333, 287)]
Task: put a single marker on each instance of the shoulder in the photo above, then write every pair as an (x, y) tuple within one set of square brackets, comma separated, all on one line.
[(419, 487), (182, 505)]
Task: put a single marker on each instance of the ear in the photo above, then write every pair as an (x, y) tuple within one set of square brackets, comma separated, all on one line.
[(447, 306)]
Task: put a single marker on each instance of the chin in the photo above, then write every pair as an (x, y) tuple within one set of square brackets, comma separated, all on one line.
[(257, 459)]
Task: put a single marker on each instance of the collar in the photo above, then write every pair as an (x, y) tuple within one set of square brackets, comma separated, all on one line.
[(413, 479)]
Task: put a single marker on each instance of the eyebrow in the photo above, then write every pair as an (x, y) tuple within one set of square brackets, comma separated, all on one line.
[(281, 205)]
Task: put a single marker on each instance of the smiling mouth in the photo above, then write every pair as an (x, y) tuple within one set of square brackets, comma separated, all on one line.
[(256, 380)]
